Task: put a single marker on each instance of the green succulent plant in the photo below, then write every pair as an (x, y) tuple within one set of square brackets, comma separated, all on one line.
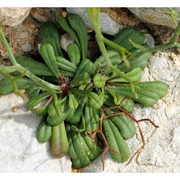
[(86, 103)]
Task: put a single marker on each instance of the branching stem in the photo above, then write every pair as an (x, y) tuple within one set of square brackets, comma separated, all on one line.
[(171, 44), (17, 67), (101, 40)]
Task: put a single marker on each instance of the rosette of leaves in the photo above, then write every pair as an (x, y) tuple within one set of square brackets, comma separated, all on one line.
[(85, 104)]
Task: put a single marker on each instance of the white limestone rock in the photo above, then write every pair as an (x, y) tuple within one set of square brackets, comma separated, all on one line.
[(13, 16), (19, 149), (159, 16), (66, 40)]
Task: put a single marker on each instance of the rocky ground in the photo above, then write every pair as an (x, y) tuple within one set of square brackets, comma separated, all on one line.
[(19, 149)]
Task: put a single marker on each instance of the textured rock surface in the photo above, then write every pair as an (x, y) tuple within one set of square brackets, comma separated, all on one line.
[(22, 33), (23, 36), (23, 39), (122, 16), (46, 14), (20, 151), (158, 16), (108, 25), (13, 16)]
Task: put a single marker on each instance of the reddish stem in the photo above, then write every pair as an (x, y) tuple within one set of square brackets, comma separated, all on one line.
[(100, 130), (136, 121)]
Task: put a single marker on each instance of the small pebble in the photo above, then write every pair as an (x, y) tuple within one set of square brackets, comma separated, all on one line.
[(149, 40), (15, 108)]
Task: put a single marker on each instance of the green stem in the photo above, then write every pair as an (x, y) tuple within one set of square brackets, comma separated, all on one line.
[(123, 51), (8, 69), (171, 44), (122, 74), (99, 38), (110, 66), (13, 81), (173, 15), (6, 75), (116, 46), (6, 45), (155, 49), (46, 85)]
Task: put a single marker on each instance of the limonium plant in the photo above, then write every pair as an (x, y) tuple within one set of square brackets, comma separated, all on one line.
[(86, 105)]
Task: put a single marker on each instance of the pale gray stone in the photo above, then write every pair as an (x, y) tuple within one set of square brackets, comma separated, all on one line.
[(43, 14), (149, 40), (108, 26), (19, 149), (26, 48), (66, 40), (159, 16), (13, 16)]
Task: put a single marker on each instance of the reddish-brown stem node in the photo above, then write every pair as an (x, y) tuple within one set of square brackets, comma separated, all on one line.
[(127, 97), (64, 85), (149, 121)]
